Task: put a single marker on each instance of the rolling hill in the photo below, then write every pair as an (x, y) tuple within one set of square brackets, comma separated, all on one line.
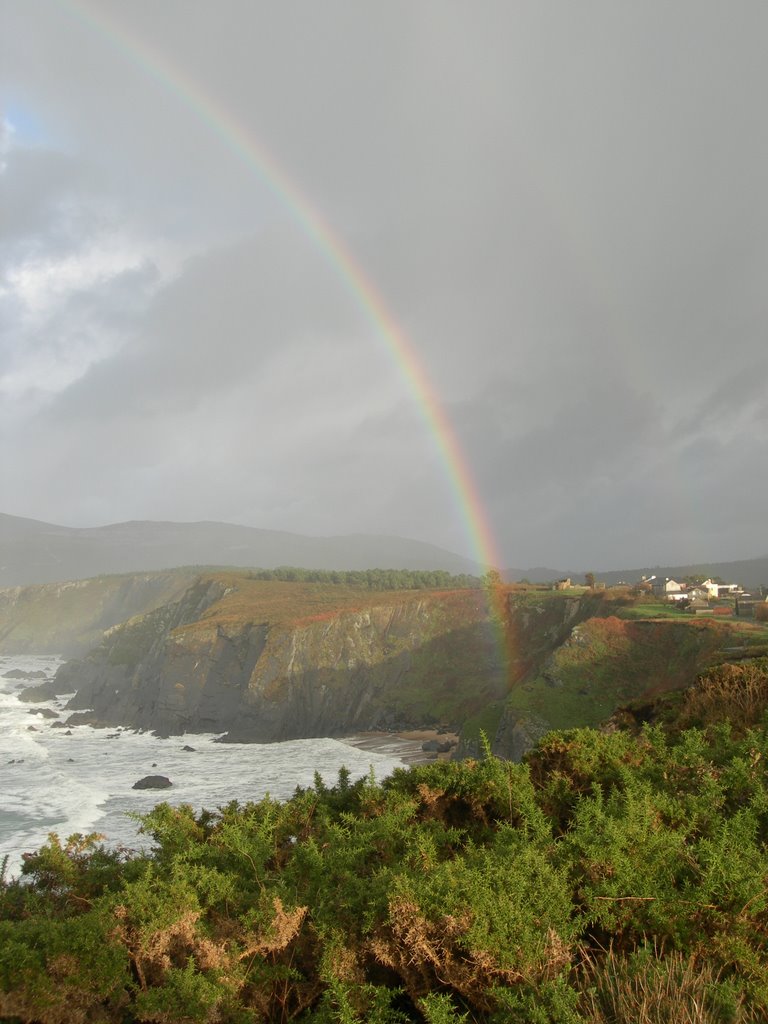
[(36, 552)]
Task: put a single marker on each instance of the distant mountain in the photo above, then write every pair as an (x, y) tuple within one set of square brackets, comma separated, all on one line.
[(35, 552), (750, 573)]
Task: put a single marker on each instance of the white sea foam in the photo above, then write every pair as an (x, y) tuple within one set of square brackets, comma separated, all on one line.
[(83, 782)]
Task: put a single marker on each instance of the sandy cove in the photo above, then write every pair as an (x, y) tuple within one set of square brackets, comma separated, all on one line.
[(404, 745)]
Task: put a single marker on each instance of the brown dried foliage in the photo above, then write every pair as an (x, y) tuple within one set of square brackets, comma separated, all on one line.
[(423, 952), (152, 955), (736, 692), (284, 998), (67, 1007), (454, 809), (283, 929)]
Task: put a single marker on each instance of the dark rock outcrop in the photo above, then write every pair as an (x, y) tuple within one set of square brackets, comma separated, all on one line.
[(43, 713), (517, 734), (438, 746), (43, 691), (153, 782)]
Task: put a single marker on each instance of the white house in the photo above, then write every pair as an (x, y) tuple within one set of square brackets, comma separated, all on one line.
[(664, 587), (722, 589)]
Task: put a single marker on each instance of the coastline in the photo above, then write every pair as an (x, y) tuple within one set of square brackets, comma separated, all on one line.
[(407, 746)]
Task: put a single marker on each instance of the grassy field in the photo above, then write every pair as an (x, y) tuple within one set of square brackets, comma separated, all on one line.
[(652, 610), (280, 602)]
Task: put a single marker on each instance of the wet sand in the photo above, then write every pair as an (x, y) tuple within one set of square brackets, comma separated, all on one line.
[(405, 745)]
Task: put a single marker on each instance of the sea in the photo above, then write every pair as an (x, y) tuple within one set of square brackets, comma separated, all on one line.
[(79, 779)]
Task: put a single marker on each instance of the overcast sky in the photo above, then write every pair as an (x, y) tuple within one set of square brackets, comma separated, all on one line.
[(563, 205)]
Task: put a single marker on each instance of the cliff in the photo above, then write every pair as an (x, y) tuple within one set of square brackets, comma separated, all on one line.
[(264, 660), (576, 659), (268, 661), (536, 623), (69, 618), (604, 663)]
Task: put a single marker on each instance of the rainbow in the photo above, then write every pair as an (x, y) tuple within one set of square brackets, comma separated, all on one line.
[(331, 247)]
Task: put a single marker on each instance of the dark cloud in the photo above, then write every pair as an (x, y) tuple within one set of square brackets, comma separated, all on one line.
[(561, 207), (231, 317)]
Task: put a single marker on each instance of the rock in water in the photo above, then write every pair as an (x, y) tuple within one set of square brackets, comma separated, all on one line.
[(152, 782), (43, 691)]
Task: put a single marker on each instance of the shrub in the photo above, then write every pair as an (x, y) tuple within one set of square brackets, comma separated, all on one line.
[(612, 878)]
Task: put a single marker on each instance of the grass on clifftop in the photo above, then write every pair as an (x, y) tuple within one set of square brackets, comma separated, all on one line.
[(300, 603)]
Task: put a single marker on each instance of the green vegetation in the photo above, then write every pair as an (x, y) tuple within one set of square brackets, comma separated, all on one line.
[(652, 609), (484, 723), (611, 878)]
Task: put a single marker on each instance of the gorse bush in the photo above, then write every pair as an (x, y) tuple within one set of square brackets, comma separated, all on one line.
[(610, 878), (739, 692)]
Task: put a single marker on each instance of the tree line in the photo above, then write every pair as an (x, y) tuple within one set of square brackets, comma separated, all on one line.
[(373, 579)]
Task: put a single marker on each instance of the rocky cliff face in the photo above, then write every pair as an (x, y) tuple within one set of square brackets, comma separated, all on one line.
[(194, 666), (536, 627), (69, 618), (536, 624)]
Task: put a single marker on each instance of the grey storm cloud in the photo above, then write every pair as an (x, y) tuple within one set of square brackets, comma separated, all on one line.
[(562, 207)]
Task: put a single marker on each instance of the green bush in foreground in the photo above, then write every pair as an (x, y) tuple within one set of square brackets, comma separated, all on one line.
[(611, 878)]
